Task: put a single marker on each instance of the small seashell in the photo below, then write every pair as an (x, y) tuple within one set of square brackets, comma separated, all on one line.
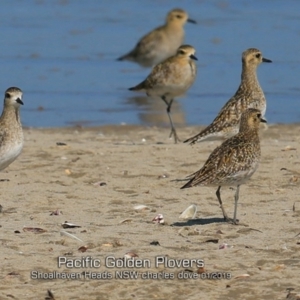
[(100, 183), (201, 270), (155, 243), (50, 295), (141, 207), (125, 221), (279, 267), (55, 212), (34, 229), (13, 273), (107, 245), (130, 255), (189, 213), (163, 176), (288, 148), (215, 241), (68, 172), (69, 225), (242, 276), (294, 178), (224, 246), (159, 219), (83, 248)]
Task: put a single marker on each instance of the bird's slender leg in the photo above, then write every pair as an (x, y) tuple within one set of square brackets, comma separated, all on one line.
[(236, 198), (173, 131), (221, 204)]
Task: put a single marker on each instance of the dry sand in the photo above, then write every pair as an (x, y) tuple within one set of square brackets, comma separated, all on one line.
[(137, 164)]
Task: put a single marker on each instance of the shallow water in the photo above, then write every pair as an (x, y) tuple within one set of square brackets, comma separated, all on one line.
[(62, 55)]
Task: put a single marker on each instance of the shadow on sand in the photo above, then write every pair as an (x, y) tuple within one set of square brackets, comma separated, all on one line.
[(199, 222)]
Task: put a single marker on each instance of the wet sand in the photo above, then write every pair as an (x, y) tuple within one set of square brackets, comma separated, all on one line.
[(97, 179)]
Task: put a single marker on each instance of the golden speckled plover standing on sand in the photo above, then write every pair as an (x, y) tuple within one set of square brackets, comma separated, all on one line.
[(234, 162), (160, 43), (248, 95), (11, 133), (171, 78)]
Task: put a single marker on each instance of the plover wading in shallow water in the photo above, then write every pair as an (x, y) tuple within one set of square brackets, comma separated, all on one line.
[(11, 133), (160, 43), (233, 162), (248, 95), (171, 78)]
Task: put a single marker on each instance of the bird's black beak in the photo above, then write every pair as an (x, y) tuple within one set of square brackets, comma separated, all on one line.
[(266, 60), (19, 101), (263, 120), (191, 21), (193, 57)]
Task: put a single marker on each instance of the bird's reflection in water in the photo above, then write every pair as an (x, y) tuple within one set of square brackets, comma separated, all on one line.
[(152, 111)]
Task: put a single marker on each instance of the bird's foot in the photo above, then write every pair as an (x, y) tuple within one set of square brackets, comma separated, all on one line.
[(173, 133), (232, 221)]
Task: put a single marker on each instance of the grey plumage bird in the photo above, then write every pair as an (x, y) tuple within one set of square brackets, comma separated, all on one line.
[(11, 133), (160, 43)]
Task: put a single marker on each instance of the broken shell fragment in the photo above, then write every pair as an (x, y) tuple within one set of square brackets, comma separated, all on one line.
[(68, 172), (141, 207), (189, 213), (224, 246), (159, 219), (288, 148), (69, 225), (34, 229), (55, 212), (125, 221), (130, 255), (83, 248)]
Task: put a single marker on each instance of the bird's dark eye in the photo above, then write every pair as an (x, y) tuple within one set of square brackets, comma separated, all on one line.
[(258, 55), (179, 16), (181, 52), (259, 116), (7, 95)]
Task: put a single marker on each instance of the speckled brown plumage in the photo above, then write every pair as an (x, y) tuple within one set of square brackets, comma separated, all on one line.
[(248, 95), (171, 78), (233, 162)]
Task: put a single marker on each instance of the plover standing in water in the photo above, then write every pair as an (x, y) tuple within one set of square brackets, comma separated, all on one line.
[(160, 43), (11, 133), (248, 95), (171, 78), (234, 162)]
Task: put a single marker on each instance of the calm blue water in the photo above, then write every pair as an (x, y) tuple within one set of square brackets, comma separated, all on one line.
[(62, 55)]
